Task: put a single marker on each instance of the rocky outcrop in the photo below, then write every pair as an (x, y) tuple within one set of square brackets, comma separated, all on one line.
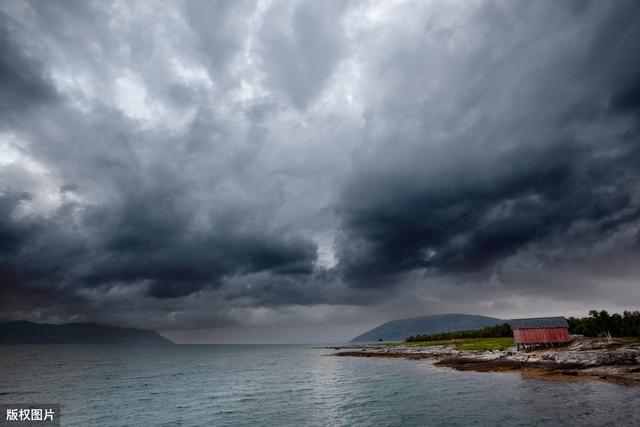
[(583, 359)]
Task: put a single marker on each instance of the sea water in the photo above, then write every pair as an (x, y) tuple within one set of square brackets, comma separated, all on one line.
[(282, 385)]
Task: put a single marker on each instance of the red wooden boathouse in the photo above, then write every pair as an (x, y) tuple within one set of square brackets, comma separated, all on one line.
[(541, 331)]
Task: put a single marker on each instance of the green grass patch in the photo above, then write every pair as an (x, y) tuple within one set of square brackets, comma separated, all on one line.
[(486, 344), (464, 344)]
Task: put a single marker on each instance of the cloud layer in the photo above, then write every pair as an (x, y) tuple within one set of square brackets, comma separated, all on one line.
[(215, 164)]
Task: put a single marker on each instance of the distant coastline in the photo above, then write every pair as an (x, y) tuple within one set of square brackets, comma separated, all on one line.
[(25, 332), (584, 359)]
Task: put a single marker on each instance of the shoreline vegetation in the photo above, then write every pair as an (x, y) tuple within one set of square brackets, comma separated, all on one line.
[(486, 344), (492, 349)]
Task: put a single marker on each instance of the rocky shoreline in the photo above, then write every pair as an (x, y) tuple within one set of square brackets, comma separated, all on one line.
[(583, 359)]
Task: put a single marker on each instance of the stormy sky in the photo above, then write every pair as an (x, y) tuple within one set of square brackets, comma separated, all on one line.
[(299, 171)]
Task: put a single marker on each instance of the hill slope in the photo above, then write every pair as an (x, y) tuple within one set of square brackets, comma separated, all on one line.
[(399, 330), (23, 332)]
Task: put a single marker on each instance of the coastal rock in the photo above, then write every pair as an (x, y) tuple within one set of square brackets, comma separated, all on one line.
[(581, 360)]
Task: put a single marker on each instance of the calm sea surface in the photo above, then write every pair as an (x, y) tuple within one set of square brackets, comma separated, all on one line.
[(290, 385)]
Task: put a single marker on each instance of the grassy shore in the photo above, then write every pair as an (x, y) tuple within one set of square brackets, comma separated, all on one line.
[(465, 343)]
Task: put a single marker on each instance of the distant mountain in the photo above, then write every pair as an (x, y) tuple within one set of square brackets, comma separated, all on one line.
[(23, 332), (399, 330)]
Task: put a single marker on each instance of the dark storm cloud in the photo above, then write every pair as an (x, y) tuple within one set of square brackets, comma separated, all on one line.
[(510, 181), (200, 164), (522, 197), (132, 218), (140, 241), (150, 240), (22, 80), (36, 260)]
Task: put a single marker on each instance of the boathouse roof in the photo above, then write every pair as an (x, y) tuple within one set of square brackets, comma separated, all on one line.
[(538, 322)]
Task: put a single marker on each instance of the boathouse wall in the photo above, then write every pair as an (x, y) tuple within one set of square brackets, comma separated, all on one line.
[(541, 335)]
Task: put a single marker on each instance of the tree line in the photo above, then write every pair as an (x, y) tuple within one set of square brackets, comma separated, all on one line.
[(600, 323), (597, 324)]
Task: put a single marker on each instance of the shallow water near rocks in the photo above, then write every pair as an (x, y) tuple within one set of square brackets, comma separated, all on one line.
[(290, 385)]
